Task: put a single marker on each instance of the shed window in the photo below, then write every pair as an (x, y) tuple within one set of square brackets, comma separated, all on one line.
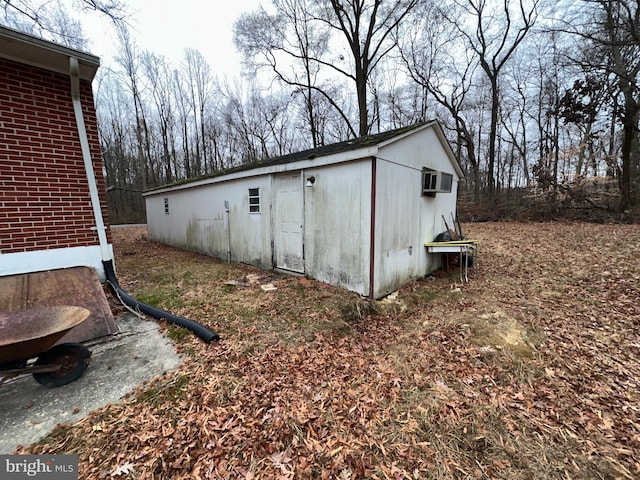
[(446, 182), (436, 182), (429, 181), (166, 206), (254, 200)]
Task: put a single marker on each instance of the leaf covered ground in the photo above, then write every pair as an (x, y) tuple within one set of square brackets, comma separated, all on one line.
[(530, 370)]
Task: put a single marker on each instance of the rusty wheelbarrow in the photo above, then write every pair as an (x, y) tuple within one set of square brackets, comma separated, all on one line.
[(31, 334)]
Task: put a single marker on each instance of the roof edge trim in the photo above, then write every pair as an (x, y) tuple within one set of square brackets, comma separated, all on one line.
[(22, 47)]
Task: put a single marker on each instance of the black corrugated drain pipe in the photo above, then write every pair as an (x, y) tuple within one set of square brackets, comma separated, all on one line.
[(197, 329)]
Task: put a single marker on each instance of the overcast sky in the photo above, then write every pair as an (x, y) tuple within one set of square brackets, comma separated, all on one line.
[(169, 26)]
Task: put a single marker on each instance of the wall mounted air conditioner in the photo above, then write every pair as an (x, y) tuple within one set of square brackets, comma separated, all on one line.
[(434, 182)]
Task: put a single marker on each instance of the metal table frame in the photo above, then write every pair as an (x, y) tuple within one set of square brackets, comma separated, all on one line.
[(456, 246)]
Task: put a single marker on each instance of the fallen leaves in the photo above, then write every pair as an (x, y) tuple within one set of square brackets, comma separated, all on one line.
[(124, 469), (310, 382)]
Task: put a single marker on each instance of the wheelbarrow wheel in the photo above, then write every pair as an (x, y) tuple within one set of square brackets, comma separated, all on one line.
[(72, 359)]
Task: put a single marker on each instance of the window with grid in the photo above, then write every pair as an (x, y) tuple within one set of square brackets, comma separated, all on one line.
[(254, 200)]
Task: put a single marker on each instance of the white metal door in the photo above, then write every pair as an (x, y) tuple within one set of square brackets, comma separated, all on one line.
[(289, 213)]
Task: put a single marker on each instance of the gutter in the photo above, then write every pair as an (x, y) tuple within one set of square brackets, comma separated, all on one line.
[(74, 71)]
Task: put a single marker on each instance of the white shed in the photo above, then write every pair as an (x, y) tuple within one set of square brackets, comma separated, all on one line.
[(354, 214)]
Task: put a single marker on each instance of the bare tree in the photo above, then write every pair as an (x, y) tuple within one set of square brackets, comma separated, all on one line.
[(607, 36), (614, 35), (129, 60), (519, 111), (405, 103), (158, 74), (201, 84), (292, 44), (303, 33), (248, 134), (435, 60), (495, 36), (580, 106), (183, 109), (118, 143), (51, 21), (368, 27)]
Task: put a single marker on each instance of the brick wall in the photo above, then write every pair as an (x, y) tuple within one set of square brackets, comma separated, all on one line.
[(44, 195)]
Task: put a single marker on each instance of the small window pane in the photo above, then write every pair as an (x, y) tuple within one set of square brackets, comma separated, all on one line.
[(429, 179), (446, 182), (166, 206), (254, 200)]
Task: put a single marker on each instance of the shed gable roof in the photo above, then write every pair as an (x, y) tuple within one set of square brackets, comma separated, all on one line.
[(361, 143), (340, 147)]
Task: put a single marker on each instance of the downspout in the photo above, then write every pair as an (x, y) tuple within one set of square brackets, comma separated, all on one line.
[(200, 331), (372, 233), (74, 70), (226, 207)]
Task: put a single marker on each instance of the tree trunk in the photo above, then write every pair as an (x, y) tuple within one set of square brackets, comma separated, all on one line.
[(491, 180), (630, 132)]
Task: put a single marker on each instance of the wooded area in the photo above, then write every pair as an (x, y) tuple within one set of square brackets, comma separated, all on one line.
[(539, 99)]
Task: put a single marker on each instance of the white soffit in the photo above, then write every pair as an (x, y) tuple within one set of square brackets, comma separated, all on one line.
[(36, 52)]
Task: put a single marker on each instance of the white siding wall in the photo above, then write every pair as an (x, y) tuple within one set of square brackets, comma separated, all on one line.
[(337, 216), (338, 225), (197, 220), (405, 219)]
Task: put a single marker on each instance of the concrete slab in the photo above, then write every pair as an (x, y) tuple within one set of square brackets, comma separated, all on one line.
[(120, 363)]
